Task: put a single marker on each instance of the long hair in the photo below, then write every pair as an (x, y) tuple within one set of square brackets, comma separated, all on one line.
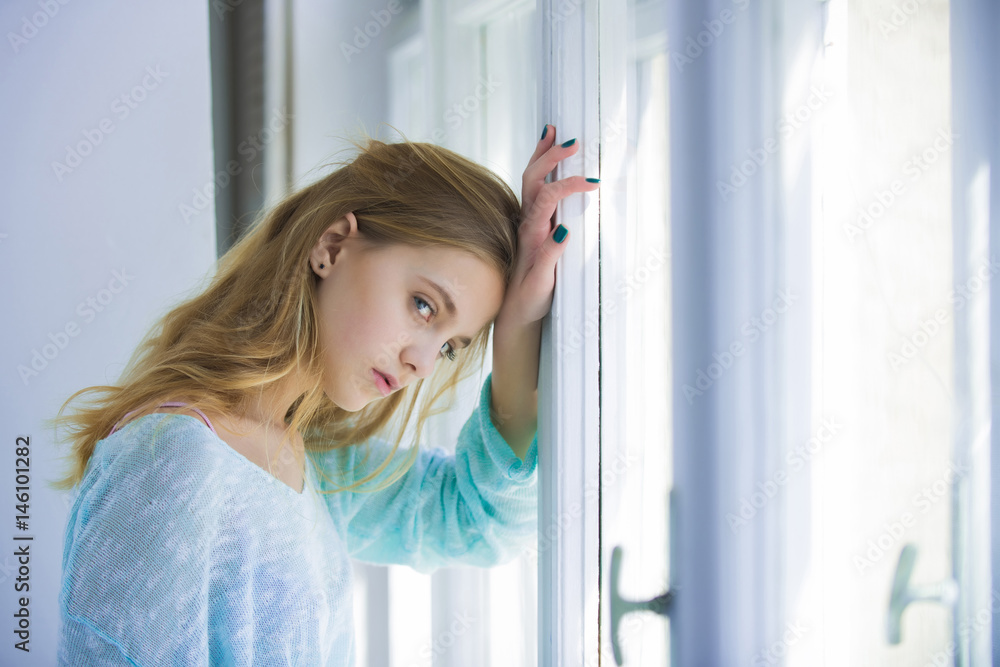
[(255, 323)]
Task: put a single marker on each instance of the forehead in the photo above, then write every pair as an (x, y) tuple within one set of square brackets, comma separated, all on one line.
[(449, 267), (475, 287)]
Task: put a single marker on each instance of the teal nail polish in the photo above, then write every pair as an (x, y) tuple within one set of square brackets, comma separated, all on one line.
[(569, 143), (560, 234), (545, 130), (593, 180)]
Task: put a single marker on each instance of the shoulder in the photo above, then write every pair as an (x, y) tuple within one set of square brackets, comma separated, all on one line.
[(141, 535), (146, 412), (155, 490), (157, 437), (156, 462)]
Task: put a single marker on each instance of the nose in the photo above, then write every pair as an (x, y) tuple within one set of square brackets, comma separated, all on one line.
[(420, 356)]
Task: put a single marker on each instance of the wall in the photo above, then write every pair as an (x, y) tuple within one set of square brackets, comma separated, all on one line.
[(106, 133), (338, 88)]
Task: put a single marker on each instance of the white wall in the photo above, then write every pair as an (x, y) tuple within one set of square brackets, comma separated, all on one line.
[(111, 223), (338, 88)]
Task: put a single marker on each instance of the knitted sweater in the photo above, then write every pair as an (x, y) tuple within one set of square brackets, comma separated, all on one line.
[(181, 551)]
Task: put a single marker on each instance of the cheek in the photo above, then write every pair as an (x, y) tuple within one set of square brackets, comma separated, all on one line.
[(383, 334), (347, 359), (366, 332), (343, 317)]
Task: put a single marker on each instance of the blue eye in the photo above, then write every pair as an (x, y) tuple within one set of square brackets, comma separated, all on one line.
[(427, 305), (421, 305)]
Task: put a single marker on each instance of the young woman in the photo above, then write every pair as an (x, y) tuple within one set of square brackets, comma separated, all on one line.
[(221, 488)]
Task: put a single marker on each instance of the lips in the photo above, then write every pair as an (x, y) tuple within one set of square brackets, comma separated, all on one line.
[(389, 380)]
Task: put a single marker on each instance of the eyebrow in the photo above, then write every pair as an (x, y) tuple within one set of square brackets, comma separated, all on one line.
[(449, 304)]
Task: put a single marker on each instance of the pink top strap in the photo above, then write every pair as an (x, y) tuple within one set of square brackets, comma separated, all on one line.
[(170, 405)]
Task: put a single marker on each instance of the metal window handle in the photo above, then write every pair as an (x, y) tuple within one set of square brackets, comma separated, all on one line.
[(620, 606), (944, 592)]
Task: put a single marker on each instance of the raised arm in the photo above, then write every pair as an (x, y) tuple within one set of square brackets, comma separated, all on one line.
[(476, 507)]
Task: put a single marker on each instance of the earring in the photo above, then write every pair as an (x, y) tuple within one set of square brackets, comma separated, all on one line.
[(322, 266)]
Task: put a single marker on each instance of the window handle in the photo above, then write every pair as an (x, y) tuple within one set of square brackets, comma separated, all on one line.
[(620, 606), (943, 592)]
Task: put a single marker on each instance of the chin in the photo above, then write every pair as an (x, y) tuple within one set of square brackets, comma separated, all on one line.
[(350, 408), (357, 399), (352, 402), (355, 405)]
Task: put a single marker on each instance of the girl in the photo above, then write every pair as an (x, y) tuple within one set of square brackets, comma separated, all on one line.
[(222, 487)]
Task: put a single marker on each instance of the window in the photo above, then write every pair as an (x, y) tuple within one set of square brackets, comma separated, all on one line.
[(757, 374)]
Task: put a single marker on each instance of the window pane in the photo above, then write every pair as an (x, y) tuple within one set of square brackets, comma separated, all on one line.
[(880, 473), (636, 471)]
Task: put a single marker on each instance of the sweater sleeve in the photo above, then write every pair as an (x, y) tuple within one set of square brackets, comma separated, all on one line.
[(82, 644), (476, 507)]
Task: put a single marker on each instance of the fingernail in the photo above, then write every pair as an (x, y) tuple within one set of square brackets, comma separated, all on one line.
[(569, 143), (545, 130), (593, 180), (560, 234)]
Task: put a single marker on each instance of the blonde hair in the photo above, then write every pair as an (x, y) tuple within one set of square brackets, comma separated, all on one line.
[(255, 323)]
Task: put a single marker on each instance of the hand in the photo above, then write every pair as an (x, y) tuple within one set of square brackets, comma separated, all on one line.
[(529, 295)]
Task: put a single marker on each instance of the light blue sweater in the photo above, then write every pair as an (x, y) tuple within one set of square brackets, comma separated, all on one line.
[(181, 551)]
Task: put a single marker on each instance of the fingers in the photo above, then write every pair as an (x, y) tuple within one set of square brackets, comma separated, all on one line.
[(543, 206), (536, 229), (550, 251), (530, 182), (543, 161), (544, 143), (547, 155)]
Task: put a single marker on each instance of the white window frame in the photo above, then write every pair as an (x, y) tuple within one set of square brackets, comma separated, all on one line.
[(976, 219), (568, 393)]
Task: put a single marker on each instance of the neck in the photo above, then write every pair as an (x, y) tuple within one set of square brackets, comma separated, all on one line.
[(269, 405)]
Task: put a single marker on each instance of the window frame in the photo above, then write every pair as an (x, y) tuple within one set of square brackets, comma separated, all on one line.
[(568, 391), (976, 221)]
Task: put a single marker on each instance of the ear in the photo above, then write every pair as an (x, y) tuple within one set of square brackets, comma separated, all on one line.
[(330, 243)]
